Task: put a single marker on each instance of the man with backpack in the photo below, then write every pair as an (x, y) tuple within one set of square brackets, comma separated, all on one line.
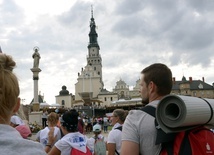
[(139, 131)]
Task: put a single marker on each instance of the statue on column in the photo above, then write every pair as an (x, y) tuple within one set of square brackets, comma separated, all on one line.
[(36, 57)]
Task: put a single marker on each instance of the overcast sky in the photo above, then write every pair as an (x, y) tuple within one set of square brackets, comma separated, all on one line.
[(132, 34)]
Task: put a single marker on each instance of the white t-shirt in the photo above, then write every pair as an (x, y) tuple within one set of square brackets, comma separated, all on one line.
[(42, 135), (139, 127), (72, 140), (114, 136), (12, 143)]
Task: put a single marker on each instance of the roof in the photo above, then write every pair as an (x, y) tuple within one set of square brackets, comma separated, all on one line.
[(194, 85), (106, 92), (133, 100), (39, 98)]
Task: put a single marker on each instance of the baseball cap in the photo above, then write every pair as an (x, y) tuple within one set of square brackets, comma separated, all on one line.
[(23, 130), (96, 128), (16, 120)]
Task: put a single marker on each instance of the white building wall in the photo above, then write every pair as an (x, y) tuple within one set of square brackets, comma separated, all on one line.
[(68, 100)]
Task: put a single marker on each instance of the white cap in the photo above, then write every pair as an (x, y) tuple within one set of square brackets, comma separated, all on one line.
[(16, 120), (96, 128)]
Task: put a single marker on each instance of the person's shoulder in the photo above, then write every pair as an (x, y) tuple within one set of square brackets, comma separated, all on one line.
[(135, 113), (100, 136), (113, 132), (56, 128), (29, 145)]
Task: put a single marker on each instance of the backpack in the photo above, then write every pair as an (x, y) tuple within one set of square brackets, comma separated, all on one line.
[(99, 146), (78, 152), (196, 141)]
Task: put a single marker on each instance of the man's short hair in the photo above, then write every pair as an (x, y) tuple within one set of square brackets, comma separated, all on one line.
[(161, 75)]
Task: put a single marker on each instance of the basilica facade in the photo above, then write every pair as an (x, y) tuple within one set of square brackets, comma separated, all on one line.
[(90, 91)]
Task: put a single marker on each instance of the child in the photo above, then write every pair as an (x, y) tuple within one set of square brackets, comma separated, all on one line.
[(20, 126), (97, 142), (42, 135)]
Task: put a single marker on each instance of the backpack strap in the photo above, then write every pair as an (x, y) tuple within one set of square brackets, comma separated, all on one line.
[(149, 110), (166, 140), (162, 137), (117, 152), (185, 147), (118, 128)]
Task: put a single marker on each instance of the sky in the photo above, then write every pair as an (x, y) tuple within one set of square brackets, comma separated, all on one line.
[(132, 34)]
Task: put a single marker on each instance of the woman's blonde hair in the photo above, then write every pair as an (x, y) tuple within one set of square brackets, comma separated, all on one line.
[(53, 119), (9, 86)]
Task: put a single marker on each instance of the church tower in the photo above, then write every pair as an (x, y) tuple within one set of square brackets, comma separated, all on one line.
[(90, 78)]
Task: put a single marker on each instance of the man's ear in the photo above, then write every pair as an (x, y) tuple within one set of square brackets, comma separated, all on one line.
[(16, 107), (151, 86)]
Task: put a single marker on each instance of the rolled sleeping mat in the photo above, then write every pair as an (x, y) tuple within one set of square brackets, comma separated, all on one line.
[(176, 113)]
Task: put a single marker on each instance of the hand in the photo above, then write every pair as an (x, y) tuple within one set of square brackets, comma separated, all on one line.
[(51, 137)]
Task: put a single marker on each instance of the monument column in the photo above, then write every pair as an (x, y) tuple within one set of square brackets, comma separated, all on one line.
[(36, 70)]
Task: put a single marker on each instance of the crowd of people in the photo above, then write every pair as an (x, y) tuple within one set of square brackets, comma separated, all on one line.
[(133, 132)]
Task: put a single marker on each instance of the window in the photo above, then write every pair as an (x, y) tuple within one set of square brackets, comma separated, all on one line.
[(200, 86), (105, 98), (63, 102)]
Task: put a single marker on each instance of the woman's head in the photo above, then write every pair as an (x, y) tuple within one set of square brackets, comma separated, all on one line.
[(9, 88), (53, 118), (118, 116), (69, 120)]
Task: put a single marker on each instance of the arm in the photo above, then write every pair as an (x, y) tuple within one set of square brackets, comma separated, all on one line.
[(111, 148), (54, 151), (129, 147), (51, 140), (38, 136), (130, 136)]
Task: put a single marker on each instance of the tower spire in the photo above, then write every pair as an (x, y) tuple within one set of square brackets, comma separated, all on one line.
[(92, 11), (92, 34)]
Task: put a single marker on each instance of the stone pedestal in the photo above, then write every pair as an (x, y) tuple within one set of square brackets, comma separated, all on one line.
[(35, 117), (36, 106)]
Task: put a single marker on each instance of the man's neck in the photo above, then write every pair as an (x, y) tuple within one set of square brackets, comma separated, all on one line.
[(156, 97)]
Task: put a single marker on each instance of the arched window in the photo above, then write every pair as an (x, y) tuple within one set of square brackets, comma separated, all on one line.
[(63, 102)]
